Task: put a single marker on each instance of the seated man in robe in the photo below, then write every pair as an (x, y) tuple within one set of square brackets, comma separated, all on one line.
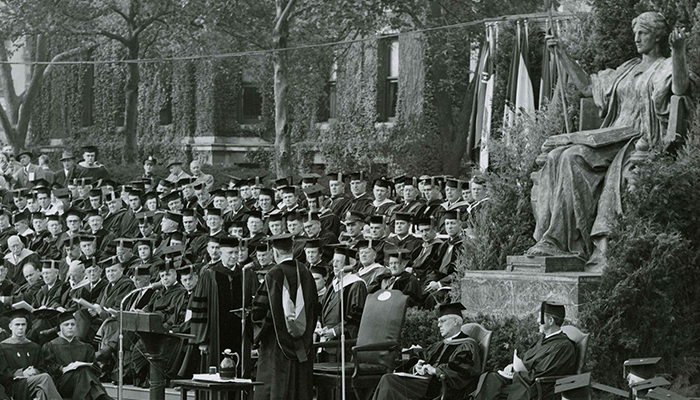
[(397, 278), (456, 358), (70, 363), (23, 373), (553, 355)]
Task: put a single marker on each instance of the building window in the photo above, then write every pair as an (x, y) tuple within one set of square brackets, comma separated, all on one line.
[(88, 96), (329, 105), (388, 78), (166, 111), (251, 102)]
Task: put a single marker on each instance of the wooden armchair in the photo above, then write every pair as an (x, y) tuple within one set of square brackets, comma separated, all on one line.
[(545, 384)]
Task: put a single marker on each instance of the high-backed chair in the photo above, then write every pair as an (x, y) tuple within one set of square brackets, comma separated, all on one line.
[(376, 348), (483, 338), (545, 384)]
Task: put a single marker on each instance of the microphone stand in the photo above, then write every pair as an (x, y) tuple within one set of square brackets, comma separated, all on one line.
[(342, 335), (120, 389)]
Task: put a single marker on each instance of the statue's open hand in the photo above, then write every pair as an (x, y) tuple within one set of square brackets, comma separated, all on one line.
[(677, 38)]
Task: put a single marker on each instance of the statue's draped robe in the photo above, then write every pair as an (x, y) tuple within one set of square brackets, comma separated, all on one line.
[(579, 187)]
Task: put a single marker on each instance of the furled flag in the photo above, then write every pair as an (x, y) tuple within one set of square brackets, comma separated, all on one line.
[(480, 123), (520, 95)]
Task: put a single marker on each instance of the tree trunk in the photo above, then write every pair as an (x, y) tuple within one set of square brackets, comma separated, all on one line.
[(283, 140), (131, 109)]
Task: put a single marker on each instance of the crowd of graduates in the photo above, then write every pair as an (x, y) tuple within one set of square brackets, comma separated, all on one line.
[(76, 243)]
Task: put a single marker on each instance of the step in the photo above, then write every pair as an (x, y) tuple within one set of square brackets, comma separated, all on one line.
[(136, 393)]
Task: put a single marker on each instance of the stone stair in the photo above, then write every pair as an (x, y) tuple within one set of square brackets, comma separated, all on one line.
[(136, 393)]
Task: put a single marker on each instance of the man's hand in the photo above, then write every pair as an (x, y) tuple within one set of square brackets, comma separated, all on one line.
[(433, 286), (204, 348), (328, 333), (29, 371), (428, 369)]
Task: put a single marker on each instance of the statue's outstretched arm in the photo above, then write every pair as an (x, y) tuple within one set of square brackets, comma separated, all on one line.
[(681, 79), (579, 77)]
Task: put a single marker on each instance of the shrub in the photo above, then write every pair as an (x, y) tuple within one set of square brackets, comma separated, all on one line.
[(645, 304), (420, 327)]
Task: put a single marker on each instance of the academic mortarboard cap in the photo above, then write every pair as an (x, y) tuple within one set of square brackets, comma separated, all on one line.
[(357, 176), (365, 244), (401, 254), (86, 181), (576, 387), (173, 216), (38, 215), (188, 212), (239, 223), (198, 186), (73, 211), (214, 239), (319, 270), (232, 193), (218, 193), (92, 213), (314, 192), (170, 196), (452, 214), (95, 193), (214, 211), (16, 313), (42, 190), (479, 179), (136, 192), (88, 238), (280, 183), (61, 193), (150, 160), (145, 217), (398, 179), (20, 192), (171, 251), (644, 368), (383, 183), (335, 176), (277, 216), (255, 214), (65, 316), (267, 192), (376, 219), (312, 243), (344, 250), (144, 241), (143, 270), (660, 393), (112, 196), (552, 307), (67, 155), (642, 386), (233, 179), (173, 161), (25, 151), (423, 220), (294, 216), (107, 182), (45, 313), (283, 242), (41, 183), (49, 264), (402, 216), (110, 262), (354, 216), (53, 217), (451, 309), (179, 236), (229, 241), (312, 216), (453, 183), (150, 195), (125, 242), (165, 183), (289, 189), (20, 216), (309, 178), (263, 246), (90, 149), (186, 180), (71, 241), (186, 270)]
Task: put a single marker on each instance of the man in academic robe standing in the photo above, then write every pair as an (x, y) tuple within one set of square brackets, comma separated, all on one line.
[(553, 355), (285, 308)]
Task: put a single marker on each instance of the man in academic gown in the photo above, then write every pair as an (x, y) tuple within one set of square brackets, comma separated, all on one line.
[(456, 357), (48, 297), (397, 278), (426, 256), (354, 297), (117, 220), (402, 237), (70, 363), (23, 370), (169, 302), (218, 292), (286, 328), (553, 355), (361, 200), (339, 201), (16, 258), (439, 284), (368, 268)]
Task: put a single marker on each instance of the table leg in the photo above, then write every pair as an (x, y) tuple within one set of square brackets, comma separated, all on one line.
[(183, 393)]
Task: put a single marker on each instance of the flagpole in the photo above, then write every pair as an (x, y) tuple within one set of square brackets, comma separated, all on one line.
[(342, 332), (560, 75)]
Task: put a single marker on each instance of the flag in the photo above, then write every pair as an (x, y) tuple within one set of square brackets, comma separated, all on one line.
[(520, 96), (549, 73), (483, 96)]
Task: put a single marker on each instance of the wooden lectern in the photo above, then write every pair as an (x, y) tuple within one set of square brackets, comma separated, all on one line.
[(149, 327)]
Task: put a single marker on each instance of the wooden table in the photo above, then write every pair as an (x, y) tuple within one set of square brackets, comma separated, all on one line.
[(215, 388)]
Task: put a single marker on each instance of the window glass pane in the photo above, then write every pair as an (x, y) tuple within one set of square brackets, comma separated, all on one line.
[(392, 94), (332, 101), (252, 103), (393, 58), (334, 72)]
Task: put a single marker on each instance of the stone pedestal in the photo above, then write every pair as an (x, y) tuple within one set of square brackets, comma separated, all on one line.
[(545, 264), (521, 293)]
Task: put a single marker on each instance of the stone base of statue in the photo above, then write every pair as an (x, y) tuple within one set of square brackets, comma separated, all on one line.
[(545, 264), (518, 294)]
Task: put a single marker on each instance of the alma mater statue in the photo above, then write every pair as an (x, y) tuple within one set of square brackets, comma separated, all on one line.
[(578, 191)]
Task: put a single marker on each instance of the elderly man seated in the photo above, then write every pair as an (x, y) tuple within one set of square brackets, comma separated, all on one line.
[(554, 354), (456, 358)]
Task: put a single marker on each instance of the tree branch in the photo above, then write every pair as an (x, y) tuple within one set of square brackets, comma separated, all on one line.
[(284, 15), (119, 12), (7, 81), (6, 124)]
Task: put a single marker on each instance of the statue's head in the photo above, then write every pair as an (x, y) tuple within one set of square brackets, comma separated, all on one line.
[(655, 23)]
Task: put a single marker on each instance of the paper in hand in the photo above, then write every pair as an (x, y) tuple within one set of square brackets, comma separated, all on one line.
[(518, 365)]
